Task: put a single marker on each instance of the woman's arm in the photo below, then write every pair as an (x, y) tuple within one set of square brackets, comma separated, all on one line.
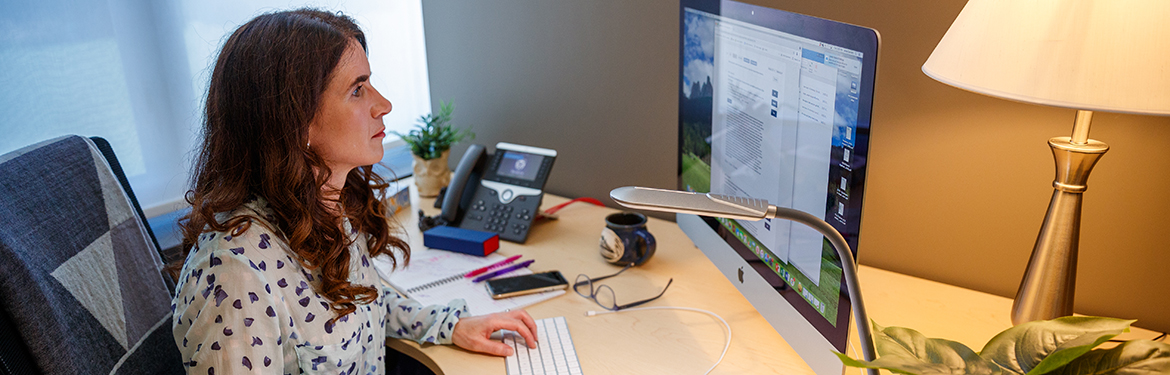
[(409, 319), (438, 324)]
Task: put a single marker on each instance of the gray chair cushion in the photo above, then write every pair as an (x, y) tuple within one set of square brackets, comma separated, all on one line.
[(78, 276)]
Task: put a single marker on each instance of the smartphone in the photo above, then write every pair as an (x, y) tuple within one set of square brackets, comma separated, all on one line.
[(526, 284)]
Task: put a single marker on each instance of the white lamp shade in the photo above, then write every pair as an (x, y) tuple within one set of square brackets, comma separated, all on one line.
[(1099, 55)]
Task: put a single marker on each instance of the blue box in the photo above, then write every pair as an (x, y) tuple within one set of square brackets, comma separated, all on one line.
[(460, 240)]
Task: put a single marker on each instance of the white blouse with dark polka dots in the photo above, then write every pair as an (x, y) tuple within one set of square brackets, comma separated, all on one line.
[(244, 305)]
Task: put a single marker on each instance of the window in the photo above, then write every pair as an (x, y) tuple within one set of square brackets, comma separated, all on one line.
[(136, 72)]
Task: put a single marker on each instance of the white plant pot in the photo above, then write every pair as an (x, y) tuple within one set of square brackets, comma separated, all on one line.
[(431, 175)]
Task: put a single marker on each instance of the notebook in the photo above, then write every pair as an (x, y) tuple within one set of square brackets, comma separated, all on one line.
[(436, 277)]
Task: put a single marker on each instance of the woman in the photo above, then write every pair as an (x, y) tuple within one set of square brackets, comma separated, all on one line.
[(285, 217)]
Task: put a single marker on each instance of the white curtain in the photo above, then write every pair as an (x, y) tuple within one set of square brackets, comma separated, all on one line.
[(135, 72)]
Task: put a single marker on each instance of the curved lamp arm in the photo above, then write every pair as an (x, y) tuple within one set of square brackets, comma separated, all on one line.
[(849, 268), (707, 204)]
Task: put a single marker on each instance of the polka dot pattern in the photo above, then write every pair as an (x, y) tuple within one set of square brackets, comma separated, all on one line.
[(229, 318)]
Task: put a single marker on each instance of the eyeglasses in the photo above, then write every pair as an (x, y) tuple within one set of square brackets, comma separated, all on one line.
[(602, 294)]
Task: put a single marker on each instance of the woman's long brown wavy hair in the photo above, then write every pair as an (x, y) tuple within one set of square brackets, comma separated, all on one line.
[(265, 90)]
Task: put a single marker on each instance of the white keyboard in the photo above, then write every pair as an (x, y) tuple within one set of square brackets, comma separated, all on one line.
[(554, 353)]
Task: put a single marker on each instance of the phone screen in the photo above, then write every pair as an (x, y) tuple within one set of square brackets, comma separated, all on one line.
[(534, 282), (520, 165)]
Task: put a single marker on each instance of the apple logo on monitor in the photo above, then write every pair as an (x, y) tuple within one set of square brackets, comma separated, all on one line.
[(741, 275)]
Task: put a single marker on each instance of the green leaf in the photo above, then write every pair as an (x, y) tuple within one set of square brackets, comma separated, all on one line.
[(1139, 357), (907, 351), (1042, 346), (433, 134)]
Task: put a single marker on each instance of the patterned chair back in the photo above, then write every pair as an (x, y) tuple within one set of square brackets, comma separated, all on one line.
[(80, 281)]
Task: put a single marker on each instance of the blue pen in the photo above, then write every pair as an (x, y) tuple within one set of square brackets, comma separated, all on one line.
[(524, 264)]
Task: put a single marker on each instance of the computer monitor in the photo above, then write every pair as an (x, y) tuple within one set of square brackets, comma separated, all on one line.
[(776, 105)]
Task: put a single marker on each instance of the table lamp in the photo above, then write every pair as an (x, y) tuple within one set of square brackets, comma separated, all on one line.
[(740, 208), (1088, 55)]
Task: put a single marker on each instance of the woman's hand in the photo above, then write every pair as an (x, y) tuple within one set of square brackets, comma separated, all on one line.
[(473, 333)]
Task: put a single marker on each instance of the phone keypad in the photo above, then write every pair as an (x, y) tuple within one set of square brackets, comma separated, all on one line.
[(497, 218), (510, 220)]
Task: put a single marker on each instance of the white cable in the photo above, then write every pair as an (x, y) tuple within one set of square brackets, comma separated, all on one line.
[(725, 345), (849, 344)]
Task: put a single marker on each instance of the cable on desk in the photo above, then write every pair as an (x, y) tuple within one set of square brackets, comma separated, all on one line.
[(725, 345)]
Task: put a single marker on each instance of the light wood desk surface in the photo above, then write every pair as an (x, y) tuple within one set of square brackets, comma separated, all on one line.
[(676, 342)]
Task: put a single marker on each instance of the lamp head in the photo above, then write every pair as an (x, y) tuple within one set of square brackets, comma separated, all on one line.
[(704, 204)]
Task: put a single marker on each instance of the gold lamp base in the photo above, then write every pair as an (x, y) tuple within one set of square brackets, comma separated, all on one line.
[(1049, 283)]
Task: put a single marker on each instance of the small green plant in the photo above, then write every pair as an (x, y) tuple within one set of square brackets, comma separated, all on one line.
[(434, 133), (1062, 346)]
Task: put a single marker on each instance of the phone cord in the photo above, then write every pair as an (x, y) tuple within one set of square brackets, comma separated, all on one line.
[(556, 208)]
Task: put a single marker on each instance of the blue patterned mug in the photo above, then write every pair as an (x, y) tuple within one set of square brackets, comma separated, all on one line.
[(625, 239)]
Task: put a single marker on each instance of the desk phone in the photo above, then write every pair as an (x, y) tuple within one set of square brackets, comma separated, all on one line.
[(498, 192)]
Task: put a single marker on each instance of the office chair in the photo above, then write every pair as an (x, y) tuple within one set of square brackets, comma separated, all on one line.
[(108, 152), (81, 287)]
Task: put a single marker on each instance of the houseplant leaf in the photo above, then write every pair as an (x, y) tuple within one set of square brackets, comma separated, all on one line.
[(434, 134), (907, 351), (1138, 357), (1042, 346)]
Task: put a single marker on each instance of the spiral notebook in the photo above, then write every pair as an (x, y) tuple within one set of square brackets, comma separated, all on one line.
[(436, 277)]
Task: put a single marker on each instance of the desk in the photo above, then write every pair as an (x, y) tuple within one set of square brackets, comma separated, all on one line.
[(674, 342)]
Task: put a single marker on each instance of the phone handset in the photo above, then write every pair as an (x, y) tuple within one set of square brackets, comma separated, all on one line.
[(460, 187)]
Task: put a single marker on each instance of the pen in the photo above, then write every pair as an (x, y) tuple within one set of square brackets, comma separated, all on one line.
[(525, 264), (489, 268)]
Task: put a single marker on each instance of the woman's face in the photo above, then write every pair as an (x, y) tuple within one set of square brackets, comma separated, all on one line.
[(347, 131)]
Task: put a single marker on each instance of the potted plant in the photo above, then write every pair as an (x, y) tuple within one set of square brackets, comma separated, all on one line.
[(430, 142), (1065, 346)]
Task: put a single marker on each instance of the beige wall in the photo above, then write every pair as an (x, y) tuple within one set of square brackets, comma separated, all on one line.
[(958, 182)]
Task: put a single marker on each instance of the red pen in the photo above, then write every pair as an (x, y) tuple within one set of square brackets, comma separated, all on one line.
[(491, 267)]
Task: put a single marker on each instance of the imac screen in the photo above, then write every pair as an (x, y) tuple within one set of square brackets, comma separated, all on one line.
[(776, 105)]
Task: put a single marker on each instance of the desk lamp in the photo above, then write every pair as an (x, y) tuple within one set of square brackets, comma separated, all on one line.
[(1088, 55), (739, 208)]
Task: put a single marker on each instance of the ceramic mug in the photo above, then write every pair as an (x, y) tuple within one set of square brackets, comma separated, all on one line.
[(625, 239)]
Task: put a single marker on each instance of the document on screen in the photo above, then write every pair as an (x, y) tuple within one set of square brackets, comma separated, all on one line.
[(772, 132)]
